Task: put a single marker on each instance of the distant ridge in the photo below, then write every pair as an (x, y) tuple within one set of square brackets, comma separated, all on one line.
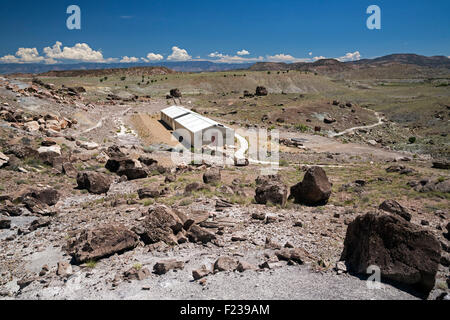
[(333, 65), (325, 66), (187, 66), (414, 59), (145, 71)]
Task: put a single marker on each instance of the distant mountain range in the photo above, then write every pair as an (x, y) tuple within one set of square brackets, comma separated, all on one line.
[(322, 66), (333, 65), (188, 66)]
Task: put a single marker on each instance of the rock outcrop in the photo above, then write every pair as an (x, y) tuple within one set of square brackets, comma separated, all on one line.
[(314, 190), (274, 192), (124, 166), (404, 252), (261, 91), (393, 206), (99, 243), (94, 182), (160, 224), (212, 176)]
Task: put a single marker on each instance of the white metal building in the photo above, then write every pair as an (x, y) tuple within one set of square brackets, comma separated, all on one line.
[(193, 129), (168, 115)]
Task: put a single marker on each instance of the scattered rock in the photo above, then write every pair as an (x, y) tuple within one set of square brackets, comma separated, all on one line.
[(131, 168), (195, 186), (137, 274), (393, 206), (201, 273), (259, 216), (5, 223), (315, 189), (340, 267), (3, 160), (297, 255), (274, 192), (176, 93), (44, 270), (39, 223), (225, 264), (212, 176), (269, 244), (399, 169), (47, 154), (10, 209), (25, 282), (197, 234), (245, 266), (63, 269), (445, 165), (148, 193), (170, 178), (99, 243), (94, 182), (165, 266), (31, 126), (261, 91), (87, 145), (69, 170), (160, 224)]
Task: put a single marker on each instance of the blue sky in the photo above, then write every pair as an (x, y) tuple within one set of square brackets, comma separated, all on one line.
[(216, 30)]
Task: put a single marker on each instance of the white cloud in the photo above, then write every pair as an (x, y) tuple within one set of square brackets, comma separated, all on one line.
[(23, 55), (215, 55), (126, 59), (285, 58), (79, 52), (310, 54), (350, 57), (10, 59), (224, 58), (319, 58), (179, 55), (243, 53), (154, 57)]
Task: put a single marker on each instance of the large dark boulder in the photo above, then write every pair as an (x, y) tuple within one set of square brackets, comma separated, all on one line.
[(145, 193), (212, 176), (124, 166), (94, 182), (261, 91), (441, 164), (100, 243), (404, 252), (5, 223), (393, 206), (49, 196), (160, 224), (198, 234), (273, 191), (266, 178), (176, 93), (314, 190)]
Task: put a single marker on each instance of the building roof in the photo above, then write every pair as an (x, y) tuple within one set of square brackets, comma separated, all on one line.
[(174, 112), (190, 120), (195, 122)]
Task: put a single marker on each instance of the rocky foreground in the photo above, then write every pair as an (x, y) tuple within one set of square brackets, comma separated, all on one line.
[(86, 220)]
